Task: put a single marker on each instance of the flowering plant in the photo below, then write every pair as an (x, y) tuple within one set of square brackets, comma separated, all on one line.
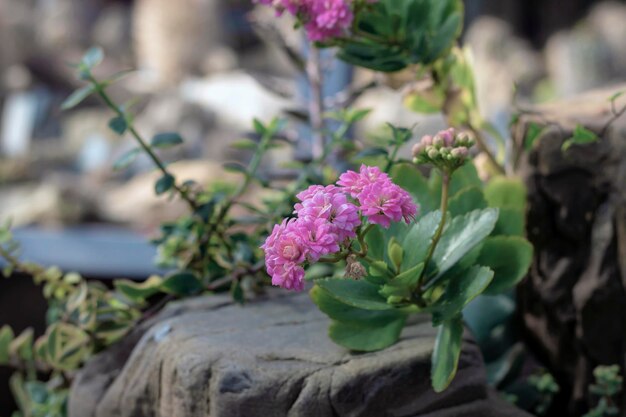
[(396, 263)]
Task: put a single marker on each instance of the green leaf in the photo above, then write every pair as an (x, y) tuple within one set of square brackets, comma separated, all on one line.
[(358, 329), (6, 337), (419, 239), (139, 291), (166, 140), (164, 184), (93, 57), (511, 222), (77, 97), (396, 253), (445, 359), (370, 152), (118, 125), (182, 284), (245, 144), (125, 160), (461, 289), (616, 96), (506, 192), (533, 132), (582, 136), (461, 236), (467, 200), (375, 241), (236, 168), (401, 288), (359, 294), (509, 257), (367, 338), (259, 127)]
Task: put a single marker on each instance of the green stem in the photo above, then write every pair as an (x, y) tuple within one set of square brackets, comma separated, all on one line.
[(482, 145), (184, 193), (445, 194), (392, 158)]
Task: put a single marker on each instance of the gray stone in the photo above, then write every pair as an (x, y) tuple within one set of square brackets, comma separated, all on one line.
[(573, 302), (271, 357)]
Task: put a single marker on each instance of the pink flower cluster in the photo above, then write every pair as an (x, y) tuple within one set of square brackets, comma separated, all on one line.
[(322, 19), (328, 217)]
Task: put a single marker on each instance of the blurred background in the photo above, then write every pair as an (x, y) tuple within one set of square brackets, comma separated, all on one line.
[(205, 68)]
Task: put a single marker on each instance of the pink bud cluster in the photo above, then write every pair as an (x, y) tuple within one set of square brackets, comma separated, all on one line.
[(322, 19), (328, 217), (447, 148)]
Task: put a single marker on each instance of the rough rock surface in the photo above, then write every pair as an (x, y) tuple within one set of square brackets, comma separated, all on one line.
[(574, 301), (208, 357)]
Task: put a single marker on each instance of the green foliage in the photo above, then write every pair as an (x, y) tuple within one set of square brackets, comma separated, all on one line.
[(393, 35), (608, 383), (547, 387), (437, 265), (581, 136)]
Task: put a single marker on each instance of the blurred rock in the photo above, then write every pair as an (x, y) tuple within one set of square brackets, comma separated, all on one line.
[(573, 303), (135, 202), (40, 203), (501, 61), (235, 98), (591, 54), (173, 39), (112, 32), (272, 358)]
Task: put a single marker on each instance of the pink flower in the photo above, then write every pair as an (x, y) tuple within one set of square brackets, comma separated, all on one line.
[(284, 250), (328, 19), (354, 182), (383, 203), (319, 236), (330, 204), (289, 276)]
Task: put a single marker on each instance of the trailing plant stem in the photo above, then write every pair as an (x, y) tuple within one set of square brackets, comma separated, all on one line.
[(100, 90)]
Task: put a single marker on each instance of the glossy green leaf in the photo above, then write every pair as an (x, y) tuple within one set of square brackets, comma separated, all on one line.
[(466, 201), (404, 285), (461, 236), (581, 136), (6, 337), (506, 192), (460, 290), (245, 144), (419, 239), (166, 140), (77, 97), (138, 291), (511, 222), (533, 132), (358, 329), (182, 284), (118, 125), (509, 257), (445, 359), (359, 294), (93, 57), (125, 160), (375, 241), (235, 168), (164, 184)]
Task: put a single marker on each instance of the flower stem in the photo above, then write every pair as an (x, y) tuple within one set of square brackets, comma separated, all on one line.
[(445, 194)]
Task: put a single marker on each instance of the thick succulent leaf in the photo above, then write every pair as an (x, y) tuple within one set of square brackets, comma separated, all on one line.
[(511, 222), (403, 286), (419, 239), (182, 284), (460, 290), (411, 179), (462, 235), (506, 192), (509, 257), (467, 200), (359, 294), (375, 241), (445, 359)]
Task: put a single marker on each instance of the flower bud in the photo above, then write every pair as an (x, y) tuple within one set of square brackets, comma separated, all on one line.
[(461, 152), (418, 148), (438, 141), (433, 153), (427, 140), (448, 137)]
